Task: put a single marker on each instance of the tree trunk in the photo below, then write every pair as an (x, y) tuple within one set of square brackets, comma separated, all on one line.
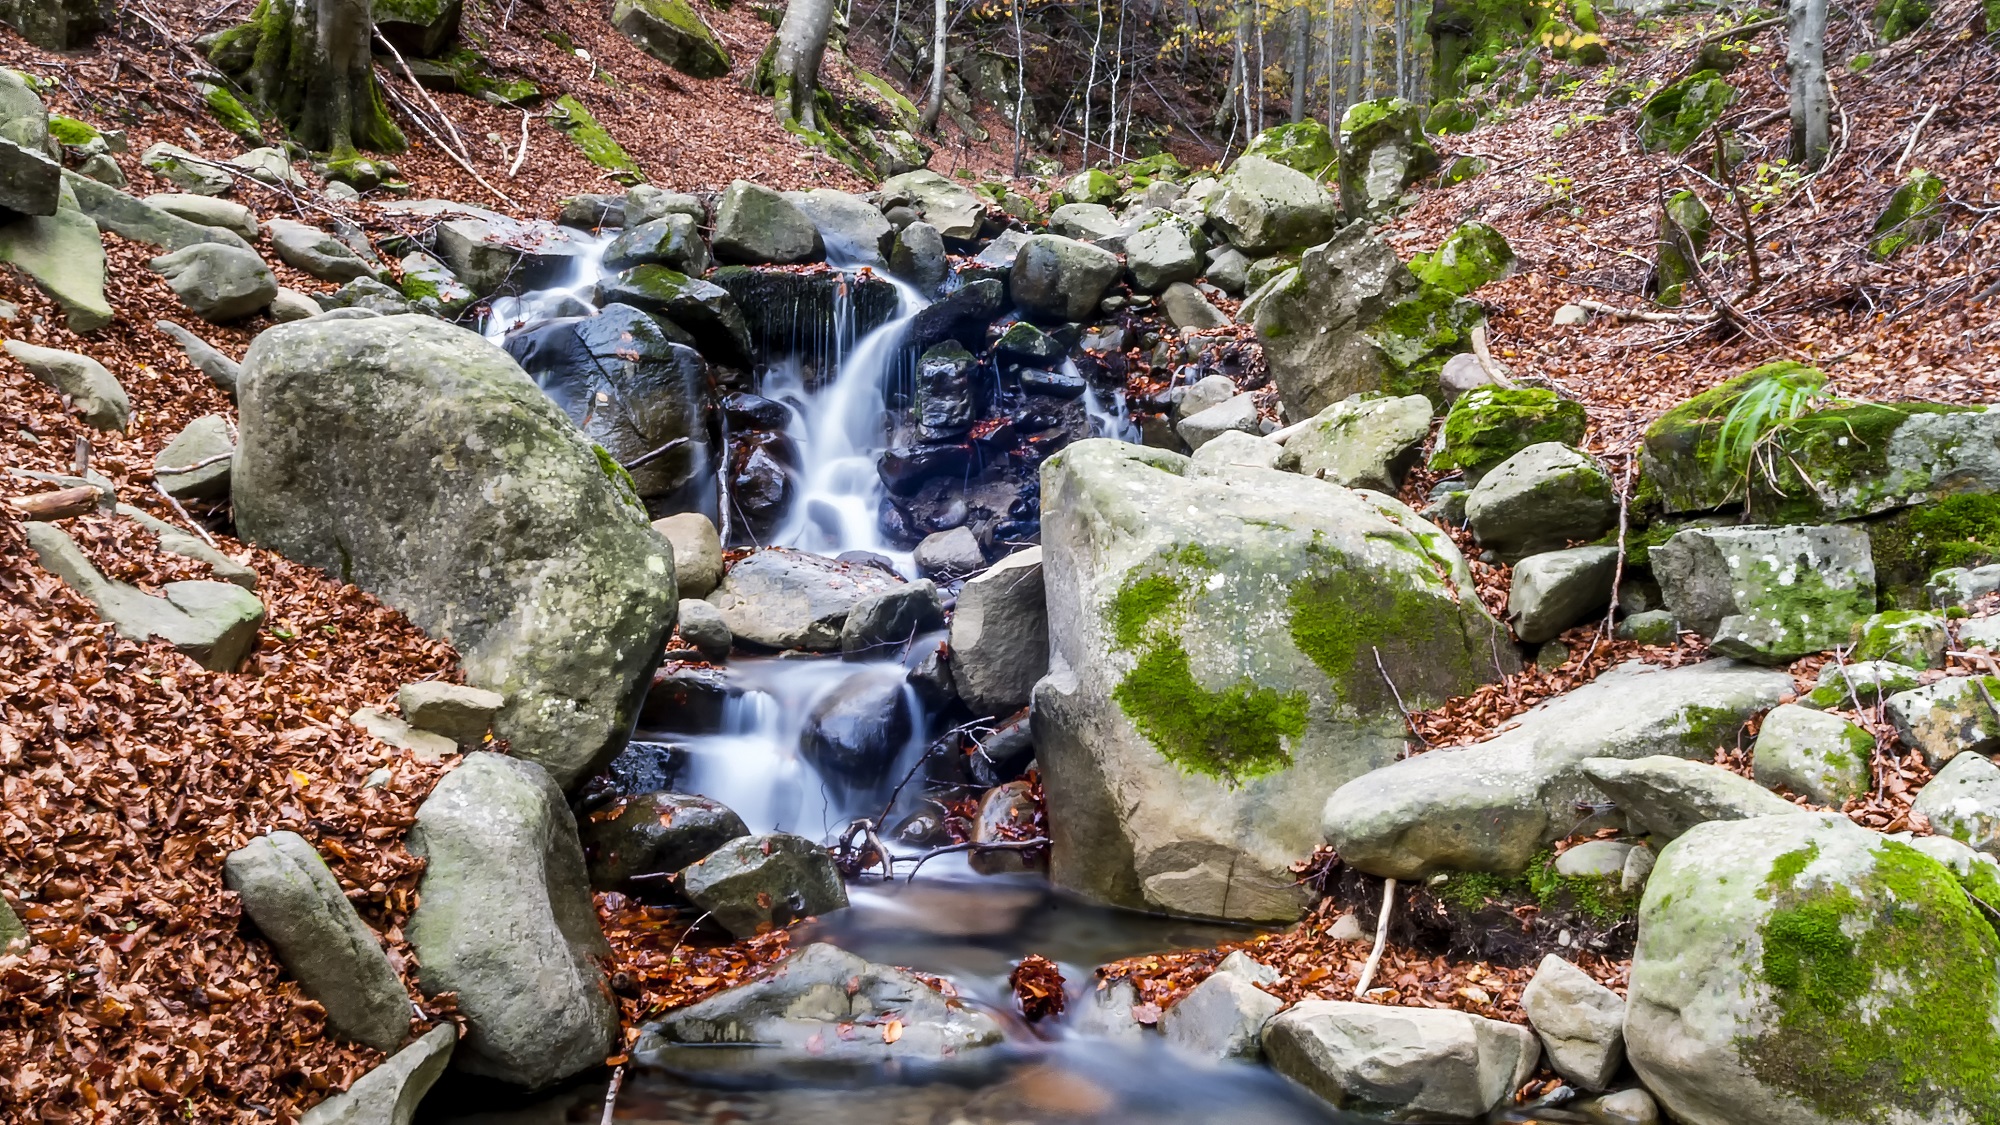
[(1301, 61), (800, 45), (936, 104), (1020, 86), (1812, 101), (1090, 84), (311, 66)]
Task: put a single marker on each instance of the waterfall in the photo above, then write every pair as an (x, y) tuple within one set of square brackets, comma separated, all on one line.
[(575, 296)]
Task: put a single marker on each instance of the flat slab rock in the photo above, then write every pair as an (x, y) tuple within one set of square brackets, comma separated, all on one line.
[(780, 598)]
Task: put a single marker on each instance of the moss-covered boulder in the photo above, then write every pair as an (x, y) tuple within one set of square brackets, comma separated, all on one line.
[(1382, 152), (1772, 439), (1768, 594), (1214, 631), (674, 33), (1915, 215), (1451, 115), (1351, 318), (1092, 185), (1489, 424), (1469, 257), (1685, 227), (1823, 758), (1264, 207), (1303, 147), (1911, 638), (436, 475), (1804, 969), (1680, 114), (419, 28), (575, 121), (1368, 441)]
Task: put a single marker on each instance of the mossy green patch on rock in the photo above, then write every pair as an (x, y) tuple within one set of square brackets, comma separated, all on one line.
[(1685, 227), (1886, 989), (1469, 257), (1092, 185), (1915, 215), (1912, 638), (1896, 18), (71, 132), (1679, 462), (230, 113), (1678, 116), (602, 149), (1303, 147), (1962, 530), (1489, 424)]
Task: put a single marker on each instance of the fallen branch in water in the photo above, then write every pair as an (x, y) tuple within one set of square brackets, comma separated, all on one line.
[(970, 846), (648, 458)]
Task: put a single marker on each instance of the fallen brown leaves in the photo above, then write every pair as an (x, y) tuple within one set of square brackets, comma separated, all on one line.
[(660, 961), (1038, 987)]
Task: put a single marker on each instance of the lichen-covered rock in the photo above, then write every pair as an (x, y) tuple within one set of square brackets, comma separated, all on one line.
[(671, 241), (389, 1094), (188, 468), (1214, 631), (1910, 638), (1494, 805), (1264, 206), (1664, 795), (1382, 151), (64, 254), (1804, 969), (953, 208), (1000, 635), (755, 884), (1541, 498), (299, 907), (1858, 685), (437, 476), (1092, 185), (1187, 308), (1469, 257), (95, 394), (1823, 758), (1303, 146), (1915, 215), (220, 283), (654, 834), (194, 174), (673, 32), (1769, 594), (1415, 1064), (458, 712), (1948, 718), (1352, 318), (1580, 1022), (1557, 589), (1237, 414), (316, 252), (780, 598), (1680, 114), (1361, 442), (1061, 279), (1164, 250), (1963, 802), (213, 623), (1685, 227), (1489, 424)]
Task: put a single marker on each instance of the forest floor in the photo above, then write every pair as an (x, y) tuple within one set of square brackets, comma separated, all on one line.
[(126, 772)]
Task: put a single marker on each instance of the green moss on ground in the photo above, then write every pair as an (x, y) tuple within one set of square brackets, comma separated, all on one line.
[(1886, 992), (1487, 425), (1680, 114), (1915, 215), (1895, 19), (231, 115), (599, 146), (1598, 901)]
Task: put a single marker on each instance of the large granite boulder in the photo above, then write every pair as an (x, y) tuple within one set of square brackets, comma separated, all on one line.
[(1824, 758), (505, 921), (704, 310), (1351, 318), (781, 598), (1059, 279), (1803, 969), (1557, 589), (1769, 594), (756, 226), (436, 475), (954, 209), (220, 283), (1539, 499), (1000, 635), (822, 1009), (1944, 719), (854, 232), (1215, 632), (1494, 805), (631, 390), (673, 32), (1264, 207), (390, 1093), (1413, 1064), (1362, 442)]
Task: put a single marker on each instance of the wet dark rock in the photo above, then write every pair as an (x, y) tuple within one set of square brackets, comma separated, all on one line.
[(788, 313), (685, 699), (753, 884), (760, 477), (1024, 341), (1056, 384), (1006, 814), (905, 468), (1003, 755), (922, 830), (932, 680), (672, 241), (629, 388), (882, 624), (868, 558), (962, 315), (706, 310), (894, 525), (952, 513), (944, 395), (590, 212), (654, 834), (645, 767), (855, 731), (746, 411)]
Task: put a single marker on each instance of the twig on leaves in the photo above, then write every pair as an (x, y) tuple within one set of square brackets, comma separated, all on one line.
[(1647, 315), (463, 161), (1381, 939), (1896, 173), (175, 470), (1618, 568), (522, 155), (190, 520)]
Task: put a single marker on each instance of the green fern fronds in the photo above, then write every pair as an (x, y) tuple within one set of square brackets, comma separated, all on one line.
[(1763, 410)]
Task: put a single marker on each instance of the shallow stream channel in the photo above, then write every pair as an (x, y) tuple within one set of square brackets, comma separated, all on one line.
[(741, 735)]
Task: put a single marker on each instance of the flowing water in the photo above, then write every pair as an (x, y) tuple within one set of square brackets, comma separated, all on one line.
[(948, 921)]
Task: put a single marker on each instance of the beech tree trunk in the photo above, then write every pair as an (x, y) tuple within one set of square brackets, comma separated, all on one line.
[(1301, 60), (1812, 101), (310, 64), (801, 44), (936, 104)]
